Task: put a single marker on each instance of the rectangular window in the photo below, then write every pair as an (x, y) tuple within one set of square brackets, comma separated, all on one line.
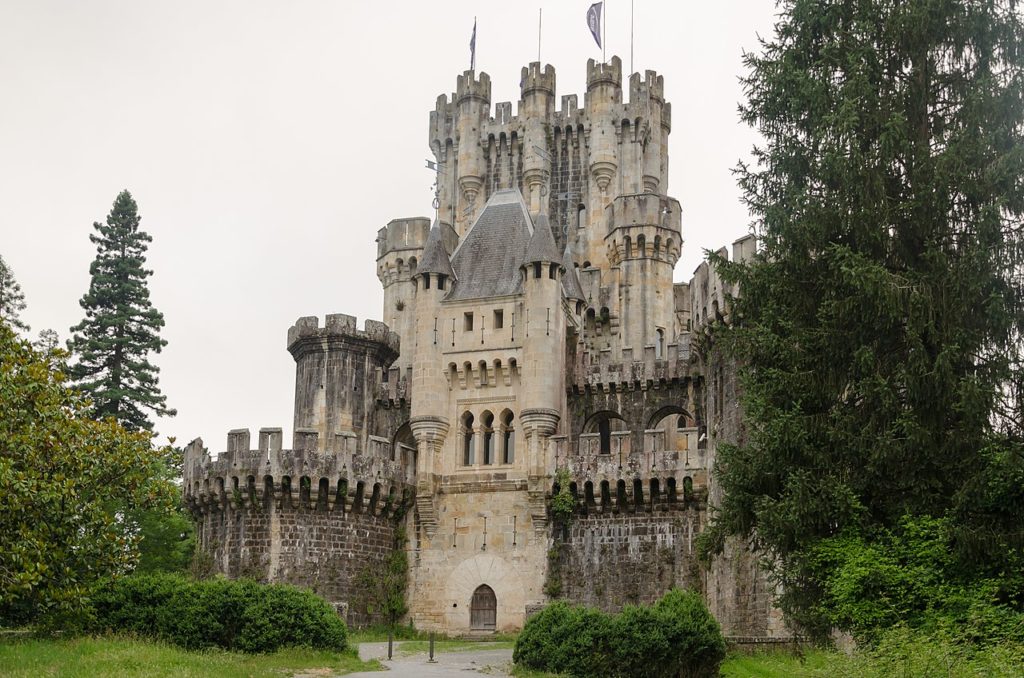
[(467, 322), (499, 319)]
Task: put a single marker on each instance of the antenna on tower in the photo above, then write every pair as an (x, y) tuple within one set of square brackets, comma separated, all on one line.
[(540, 17)]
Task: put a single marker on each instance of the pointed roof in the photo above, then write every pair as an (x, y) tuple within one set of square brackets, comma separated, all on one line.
[(542, 245), (435, 257), (571, 287), (488, 258)]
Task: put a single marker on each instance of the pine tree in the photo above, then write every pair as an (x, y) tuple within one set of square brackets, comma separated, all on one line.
[(879, 326), (111, 345), (12, 299)]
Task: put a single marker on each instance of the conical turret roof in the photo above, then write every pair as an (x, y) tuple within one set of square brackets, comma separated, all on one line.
[(571, 286), (542, 245), (435, 257)]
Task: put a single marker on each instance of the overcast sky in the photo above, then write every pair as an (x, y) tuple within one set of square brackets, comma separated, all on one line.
[(267, 141)]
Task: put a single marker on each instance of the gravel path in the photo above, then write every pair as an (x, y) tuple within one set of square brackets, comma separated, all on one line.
[(491, 662)]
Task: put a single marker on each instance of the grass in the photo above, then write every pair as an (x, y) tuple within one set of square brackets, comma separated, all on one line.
[(776, 664), (130, 657)]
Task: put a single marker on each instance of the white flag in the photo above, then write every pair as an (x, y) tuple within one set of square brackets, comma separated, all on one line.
[(594, 21)]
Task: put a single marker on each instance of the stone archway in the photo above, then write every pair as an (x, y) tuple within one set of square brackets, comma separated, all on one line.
[(493, 571), (483, 609)]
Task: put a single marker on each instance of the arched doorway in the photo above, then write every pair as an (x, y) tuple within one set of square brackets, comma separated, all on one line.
[(483, 609)]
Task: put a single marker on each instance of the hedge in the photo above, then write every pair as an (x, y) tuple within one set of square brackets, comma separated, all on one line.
[(233, 615), (675, 637)]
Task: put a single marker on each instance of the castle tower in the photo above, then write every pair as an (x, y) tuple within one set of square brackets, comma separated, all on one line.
[(337, 370), (536, 105), (644, 242), (472, 106)]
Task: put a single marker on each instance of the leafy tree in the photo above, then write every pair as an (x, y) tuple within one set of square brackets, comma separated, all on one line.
[(12, 299), (879, 326), (121, 328), (66, 479)]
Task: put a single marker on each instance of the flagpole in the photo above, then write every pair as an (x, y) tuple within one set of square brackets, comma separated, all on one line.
[(540, 17), (631, 37), (604, 31)]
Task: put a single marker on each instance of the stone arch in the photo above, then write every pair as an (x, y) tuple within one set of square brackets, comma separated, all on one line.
[(496, 573)]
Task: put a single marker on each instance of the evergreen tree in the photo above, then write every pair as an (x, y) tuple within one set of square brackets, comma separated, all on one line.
[(879, 326), (12, 299), (121, 328)]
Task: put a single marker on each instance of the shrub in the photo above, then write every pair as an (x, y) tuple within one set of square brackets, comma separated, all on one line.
[(677, 636), (242, 615)]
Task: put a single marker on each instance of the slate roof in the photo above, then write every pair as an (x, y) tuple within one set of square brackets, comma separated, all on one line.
[(487, 260), (571, 287), (435, 257), (542, 245)]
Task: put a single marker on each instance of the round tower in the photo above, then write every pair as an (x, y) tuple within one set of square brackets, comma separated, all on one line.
[(429, 422), (472, 107), (536, 105), (542, 399), (399, 250), (337, 371), (644, 242)]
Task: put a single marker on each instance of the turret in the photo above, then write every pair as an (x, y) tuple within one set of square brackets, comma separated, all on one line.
[(648, 94), (535, 107), (399, 249), (433, 282), (544, 341), (604, 91), (644, 242), (473, 102), (337, 369)]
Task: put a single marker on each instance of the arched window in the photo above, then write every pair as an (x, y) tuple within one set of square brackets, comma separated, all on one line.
[(467, 439), (487, 421), (412, 265), (508, 435), (641, 246), (659, 344), (629, 247), (605, 430)]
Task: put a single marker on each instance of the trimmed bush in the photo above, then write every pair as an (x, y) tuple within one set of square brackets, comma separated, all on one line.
[(234, 615), (677, 636)]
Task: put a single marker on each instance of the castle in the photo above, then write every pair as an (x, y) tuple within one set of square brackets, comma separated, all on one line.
[(532, 337)]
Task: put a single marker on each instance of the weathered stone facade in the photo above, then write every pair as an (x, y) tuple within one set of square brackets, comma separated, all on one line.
[(534, 327)]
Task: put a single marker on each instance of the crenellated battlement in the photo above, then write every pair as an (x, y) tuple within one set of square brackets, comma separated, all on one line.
[(306, 332), (644, 209), (650, 87), (533, 79), (604, 73), (641, 368), (409, 233), (709, 294), (344, 475), (469, 87)]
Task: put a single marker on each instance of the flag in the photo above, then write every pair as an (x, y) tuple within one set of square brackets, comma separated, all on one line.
[(472, 48), (594, 21)]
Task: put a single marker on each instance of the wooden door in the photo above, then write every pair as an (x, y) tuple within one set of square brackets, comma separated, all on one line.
[(483, 609)]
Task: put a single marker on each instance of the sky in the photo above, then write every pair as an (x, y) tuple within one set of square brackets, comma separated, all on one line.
[(267, 141)]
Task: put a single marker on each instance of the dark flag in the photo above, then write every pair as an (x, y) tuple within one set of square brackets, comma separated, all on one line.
[(594, 21), (472, 48)]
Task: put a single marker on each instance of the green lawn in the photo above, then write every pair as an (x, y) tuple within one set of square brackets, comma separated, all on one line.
[(775, 665), (129, 657)]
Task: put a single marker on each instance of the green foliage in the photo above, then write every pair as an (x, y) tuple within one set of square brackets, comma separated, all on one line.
[(677, 636), (65, 479), (562, 504), (553, 578), (880, 326), (380, 592), (234, 615), (121, 328), (12, 299), (132, 657)]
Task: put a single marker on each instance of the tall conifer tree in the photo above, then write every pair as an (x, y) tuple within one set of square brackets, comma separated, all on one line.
[(112, 344), (880, 324), (12, 299)]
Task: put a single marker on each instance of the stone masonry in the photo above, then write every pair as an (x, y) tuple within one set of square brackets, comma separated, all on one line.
[(531, 329)]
